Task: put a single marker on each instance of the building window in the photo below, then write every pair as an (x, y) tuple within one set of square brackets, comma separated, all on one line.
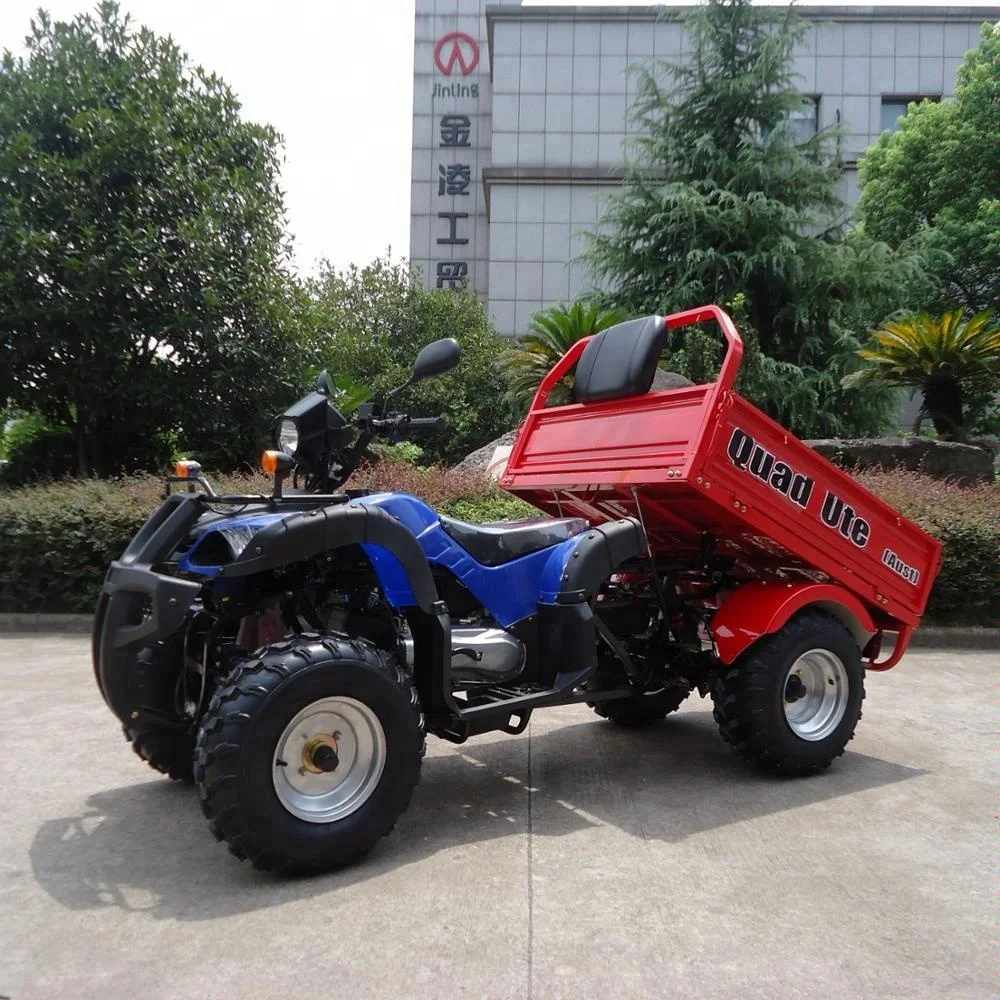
[(805, 121), (894, 108)]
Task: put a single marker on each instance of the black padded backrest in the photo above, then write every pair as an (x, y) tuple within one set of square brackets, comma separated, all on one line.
[(621, 360)]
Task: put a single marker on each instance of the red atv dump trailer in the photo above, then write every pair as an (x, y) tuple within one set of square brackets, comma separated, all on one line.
[(713, 481)]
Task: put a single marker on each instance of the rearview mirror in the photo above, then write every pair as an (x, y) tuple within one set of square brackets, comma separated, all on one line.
[(323, 384), (436, 359)]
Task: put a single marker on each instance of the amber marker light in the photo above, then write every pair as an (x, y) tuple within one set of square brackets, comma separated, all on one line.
[(279, 465), (186, 469), (274, 462)]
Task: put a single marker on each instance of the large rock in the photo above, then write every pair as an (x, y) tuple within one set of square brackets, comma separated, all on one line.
[(965, 464), (668, 380), (479, 461)]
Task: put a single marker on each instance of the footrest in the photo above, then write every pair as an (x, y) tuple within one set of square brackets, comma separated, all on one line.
[(494, 707)]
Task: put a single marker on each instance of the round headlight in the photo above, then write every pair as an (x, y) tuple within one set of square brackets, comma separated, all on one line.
[(288, 436)]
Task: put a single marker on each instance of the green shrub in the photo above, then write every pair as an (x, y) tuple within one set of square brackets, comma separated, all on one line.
[(494, 506), (36, 449), (967, 523), (57, 540), (460, 494)]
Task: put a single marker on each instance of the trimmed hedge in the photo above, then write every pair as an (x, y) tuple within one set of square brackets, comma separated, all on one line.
[(967, 523), (57, 540)]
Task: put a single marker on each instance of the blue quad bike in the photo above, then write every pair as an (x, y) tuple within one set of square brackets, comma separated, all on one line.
[(289, 653)]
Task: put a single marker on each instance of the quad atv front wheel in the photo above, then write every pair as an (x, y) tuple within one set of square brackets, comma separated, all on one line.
[(792, 702), (309, 753)]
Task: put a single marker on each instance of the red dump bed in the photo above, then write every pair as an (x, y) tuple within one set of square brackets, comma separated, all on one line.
[(702, 460)]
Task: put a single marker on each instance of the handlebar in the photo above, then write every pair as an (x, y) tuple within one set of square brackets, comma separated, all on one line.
[(399, 423), (426, 425)]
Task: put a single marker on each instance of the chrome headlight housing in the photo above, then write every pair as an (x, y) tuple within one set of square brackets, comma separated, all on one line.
[(288, 436)]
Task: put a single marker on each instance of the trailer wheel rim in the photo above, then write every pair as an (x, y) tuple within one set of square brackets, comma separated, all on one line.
[(816, 692), (329, 760)]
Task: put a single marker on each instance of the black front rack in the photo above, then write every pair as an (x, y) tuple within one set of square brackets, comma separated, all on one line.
[(289, 499)]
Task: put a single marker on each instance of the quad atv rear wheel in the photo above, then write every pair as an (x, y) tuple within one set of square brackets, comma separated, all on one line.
[(642, 709), (165, 749), (792, 702), (309, 753)]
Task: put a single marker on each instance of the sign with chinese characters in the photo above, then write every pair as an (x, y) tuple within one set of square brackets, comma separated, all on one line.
[(451, 145), (453, 180)]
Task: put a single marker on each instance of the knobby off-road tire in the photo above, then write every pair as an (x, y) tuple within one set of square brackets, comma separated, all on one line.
[(642, 709), (252, 717), (751, 697), (169, 751)]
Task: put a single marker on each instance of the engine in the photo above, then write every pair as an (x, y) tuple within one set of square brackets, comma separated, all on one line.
[(480, 656)]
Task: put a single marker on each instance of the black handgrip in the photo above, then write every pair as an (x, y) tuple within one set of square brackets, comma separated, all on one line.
[(424, 425)]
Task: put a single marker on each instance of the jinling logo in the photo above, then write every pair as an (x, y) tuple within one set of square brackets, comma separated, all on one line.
[(459, 49)]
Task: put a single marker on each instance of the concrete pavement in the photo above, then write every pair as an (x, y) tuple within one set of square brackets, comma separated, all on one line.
[(576, 861)]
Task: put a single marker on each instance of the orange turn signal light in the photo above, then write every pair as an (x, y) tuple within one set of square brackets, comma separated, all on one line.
[(186, 469), (273, 462)]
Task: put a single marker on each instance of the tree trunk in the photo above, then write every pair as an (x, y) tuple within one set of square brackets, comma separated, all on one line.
[(82, 452), (104, 447), (943, 403)]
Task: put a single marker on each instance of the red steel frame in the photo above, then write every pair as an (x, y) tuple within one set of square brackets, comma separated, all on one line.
[(683, 461)]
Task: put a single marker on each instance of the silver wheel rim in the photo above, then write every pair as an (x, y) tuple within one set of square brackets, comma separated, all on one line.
[(353, 731), (815, 694)]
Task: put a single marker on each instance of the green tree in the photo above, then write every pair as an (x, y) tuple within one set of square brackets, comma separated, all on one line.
[(954, 361), (144, 296), (934, 185), (369, 325), (721, 200), (551, 333)]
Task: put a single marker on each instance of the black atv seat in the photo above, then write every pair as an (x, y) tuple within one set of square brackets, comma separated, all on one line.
[(502, 541)]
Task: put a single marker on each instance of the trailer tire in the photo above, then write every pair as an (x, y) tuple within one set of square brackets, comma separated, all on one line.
[(264, 788), (754, 697), (642, 709), (164, 748)]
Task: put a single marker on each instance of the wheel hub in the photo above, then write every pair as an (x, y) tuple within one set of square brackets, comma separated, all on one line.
[(794, 689), (816, 693), (319, 754), (329, 759)]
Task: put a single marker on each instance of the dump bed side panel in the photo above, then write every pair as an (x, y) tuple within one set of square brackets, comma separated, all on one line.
[(638, 440), (786, 490)]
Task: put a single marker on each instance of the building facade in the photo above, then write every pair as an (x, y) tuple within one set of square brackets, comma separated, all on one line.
[(520, 123)]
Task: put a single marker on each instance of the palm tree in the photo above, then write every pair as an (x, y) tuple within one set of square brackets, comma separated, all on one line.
[(551, 333), (950, 360)]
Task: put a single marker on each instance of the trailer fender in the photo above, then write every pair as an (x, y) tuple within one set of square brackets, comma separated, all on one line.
[(761, 608)]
